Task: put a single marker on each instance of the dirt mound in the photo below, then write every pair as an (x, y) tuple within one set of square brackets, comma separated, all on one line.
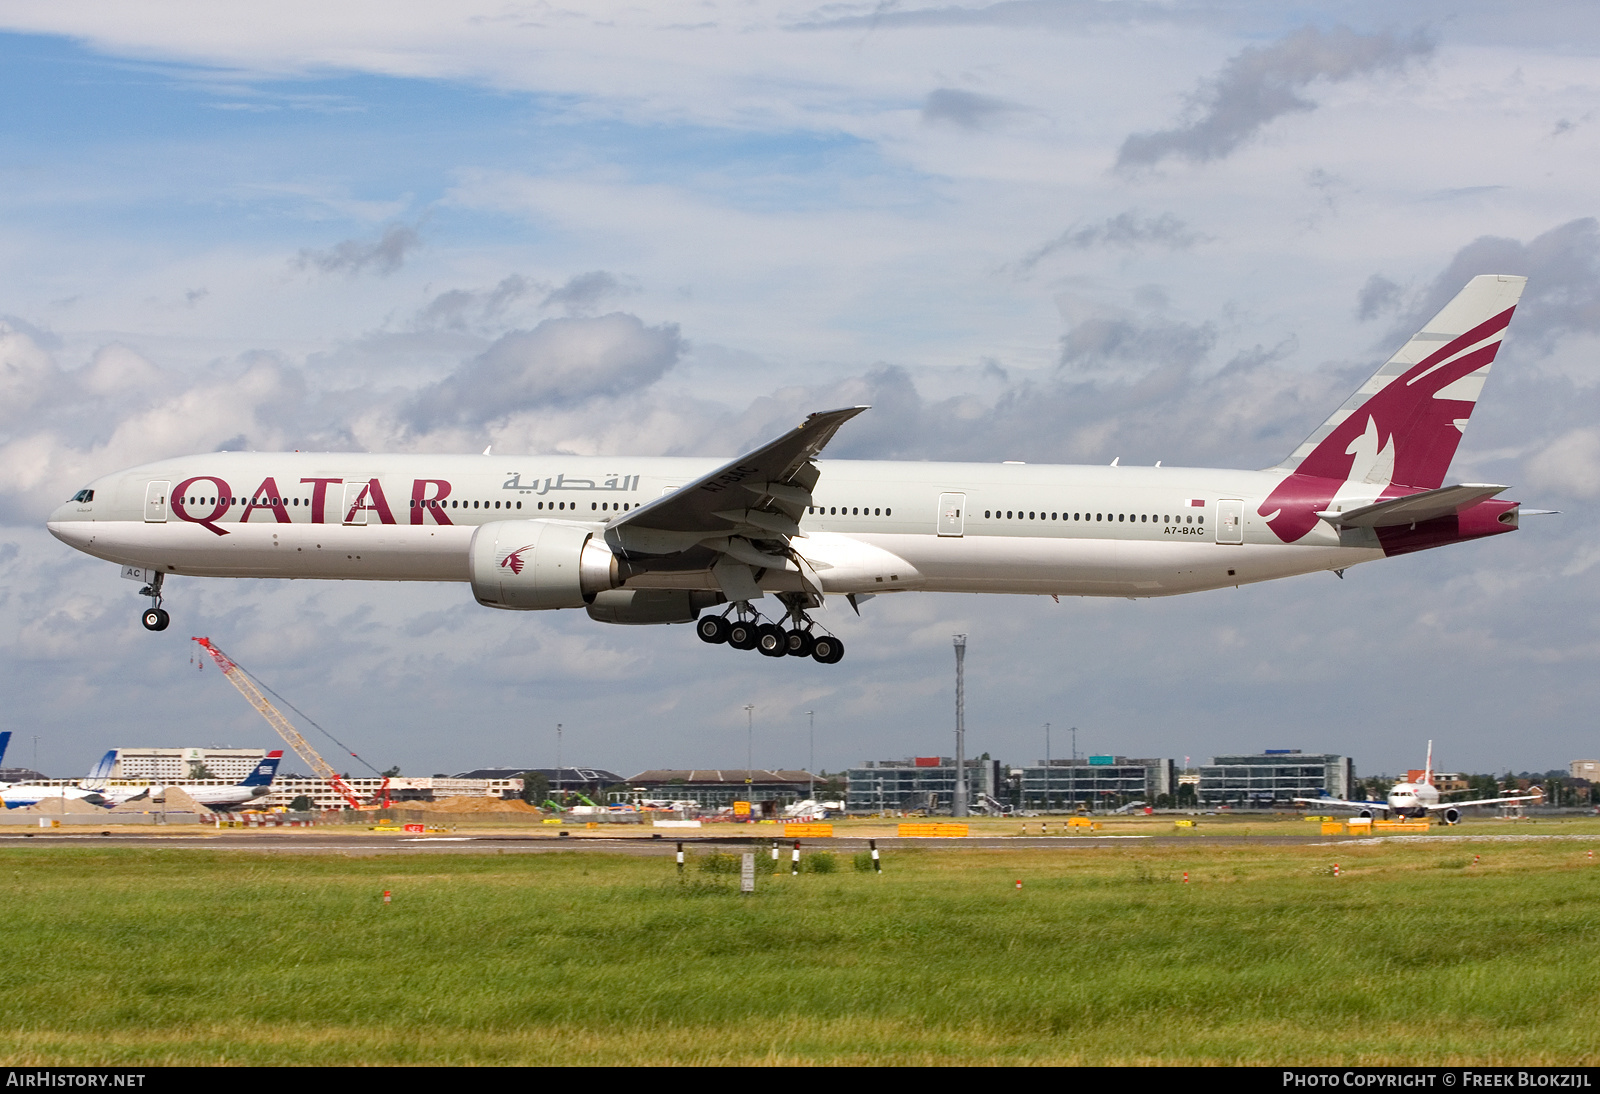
[(58, 806), (174, 800), (473, 805)]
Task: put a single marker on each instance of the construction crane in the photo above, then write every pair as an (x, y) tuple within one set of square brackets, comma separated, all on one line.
[(291, 736)]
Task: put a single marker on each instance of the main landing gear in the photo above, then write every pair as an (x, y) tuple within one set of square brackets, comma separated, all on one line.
[(155, 617), (747, 631)]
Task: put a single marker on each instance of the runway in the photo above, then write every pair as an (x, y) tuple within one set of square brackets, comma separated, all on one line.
[(314, 842)]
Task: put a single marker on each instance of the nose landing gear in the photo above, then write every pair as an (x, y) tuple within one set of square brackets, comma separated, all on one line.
[(155, 617), (743, 629)]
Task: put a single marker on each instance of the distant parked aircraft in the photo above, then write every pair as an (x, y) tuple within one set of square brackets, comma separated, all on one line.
[(98, 788), (1418, 799), (257, 784)]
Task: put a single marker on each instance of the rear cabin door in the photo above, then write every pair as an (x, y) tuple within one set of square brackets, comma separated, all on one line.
[(1230, 521), (155, 502), (355, 503), (952, 514)]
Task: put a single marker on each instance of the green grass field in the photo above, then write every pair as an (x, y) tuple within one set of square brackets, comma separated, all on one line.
[(1414, 955)]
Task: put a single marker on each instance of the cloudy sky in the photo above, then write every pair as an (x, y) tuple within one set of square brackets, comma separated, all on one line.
[(1042, 230)]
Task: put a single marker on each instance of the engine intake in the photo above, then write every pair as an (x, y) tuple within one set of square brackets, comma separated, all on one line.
[(531, 565)]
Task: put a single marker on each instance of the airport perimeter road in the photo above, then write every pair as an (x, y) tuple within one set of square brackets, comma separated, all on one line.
[(372, 843)]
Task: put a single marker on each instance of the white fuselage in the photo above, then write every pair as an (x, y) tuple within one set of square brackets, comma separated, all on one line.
[(875, 526), (1413, 799), (214, 795)]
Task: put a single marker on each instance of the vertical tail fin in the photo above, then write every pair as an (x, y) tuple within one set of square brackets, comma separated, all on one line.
[(1404, 424), (1427, 766), (265, 771), (100, 772), (5, 739)]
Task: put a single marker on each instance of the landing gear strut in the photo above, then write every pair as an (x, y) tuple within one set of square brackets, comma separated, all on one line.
[(742, 628), (155, 617)]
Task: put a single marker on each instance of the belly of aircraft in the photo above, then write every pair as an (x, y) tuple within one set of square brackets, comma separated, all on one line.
[(845, 563), (1101, 567), (379, 552)]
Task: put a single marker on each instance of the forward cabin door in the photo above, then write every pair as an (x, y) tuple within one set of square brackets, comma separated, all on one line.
[(155, 502), (355, 503), (1230, 521), (952, 514)]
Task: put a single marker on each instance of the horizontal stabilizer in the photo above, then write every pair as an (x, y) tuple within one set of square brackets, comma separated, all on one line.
[(1446, 501)]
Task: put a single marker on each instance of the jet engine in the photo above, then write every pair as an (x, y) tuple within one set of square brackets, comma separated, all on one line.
[(529, 565), (1364, 814), (1452, 816), (640, 606)]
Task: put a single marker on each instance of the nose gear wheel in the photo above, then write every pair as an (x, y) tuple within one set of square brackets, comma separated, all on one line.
[(155, 617)]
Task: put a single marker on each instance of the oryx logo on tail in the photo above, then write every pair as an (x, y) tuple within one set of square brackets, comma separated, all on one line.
[(1402, 427)]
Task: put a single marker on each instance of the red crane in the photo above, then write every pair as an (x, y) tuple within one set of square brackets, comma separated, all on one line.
[(291, 736)]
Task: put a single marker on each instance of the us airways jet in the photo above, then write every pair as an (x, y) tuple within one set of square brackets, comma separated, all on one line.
[(668, 540)]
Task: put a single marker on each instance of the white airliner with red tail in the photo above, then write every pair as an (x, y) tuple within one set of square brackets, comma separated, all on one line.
[(1420, 798), (663, 540)]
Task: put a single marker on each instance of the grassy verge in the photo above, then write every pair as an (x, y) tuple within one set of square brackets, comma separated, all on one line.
[(1415, 954)]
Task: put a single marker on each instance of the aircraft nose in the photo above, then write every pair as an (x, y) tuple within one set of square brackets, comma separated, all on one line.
[(76, 533)]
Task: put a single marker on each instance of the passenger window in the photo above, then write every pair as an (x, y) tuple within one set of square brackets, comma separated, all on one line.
[(986, 514), (519, 505), (888, 512), (1030, 516)]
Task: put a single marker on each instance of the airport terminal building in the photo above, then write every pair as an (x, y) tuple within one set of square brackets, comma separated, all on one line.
[(1274, 778), (718, 788), (918, 783), (1096, 782)]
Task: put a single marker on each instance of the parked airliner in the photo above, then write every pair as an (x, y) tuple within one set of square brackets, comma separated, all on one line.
[(1418, 799), (208, 792), (662, 540)]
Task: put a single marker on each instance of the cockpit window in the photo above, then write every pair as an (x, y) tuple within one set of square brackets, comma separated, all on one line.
[(83, 495)]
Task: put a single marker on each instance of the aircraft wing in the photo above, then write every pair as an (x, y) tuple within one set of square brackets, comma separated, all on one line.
[(1490, 801), (1342, 804), (1446, 501), (745, 512)]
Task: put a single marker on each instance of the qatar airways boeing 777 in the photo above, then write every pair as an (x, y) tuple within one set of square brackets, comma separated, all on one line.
[(662, 540)]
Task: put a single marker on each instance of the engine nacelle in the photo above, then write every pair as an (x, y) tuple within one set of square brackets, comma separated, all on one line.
[(1452, 816), (529, 565), (641, 606), (1364, 814)]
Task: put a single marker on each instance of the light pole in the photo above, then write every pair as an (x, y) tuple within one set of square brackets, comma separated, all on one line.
[(958, 804), (749, 756), (1073, 770), (811, 761), (1047, 767), (559, 799)]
